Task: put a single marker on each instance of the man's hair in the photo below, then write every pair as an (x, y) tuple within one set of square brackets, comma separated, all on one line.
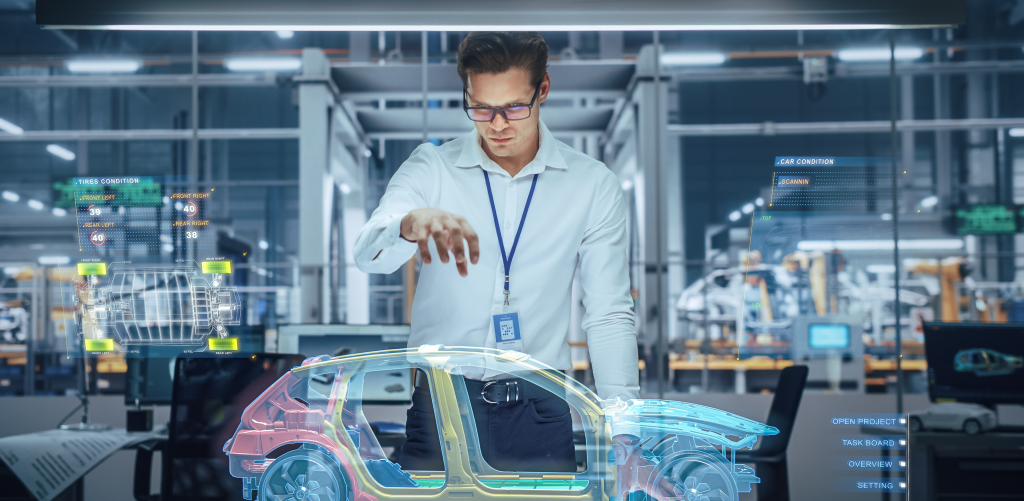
[(500, 51)]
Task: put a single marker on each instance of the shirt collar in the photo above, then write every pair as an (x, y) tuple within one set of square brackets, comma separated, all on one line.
[(473, 155)]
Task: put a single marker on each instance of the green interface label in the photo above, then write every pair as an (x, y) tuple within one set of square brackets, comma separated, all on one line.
[(86, 269), (985, 219), (217, 267), (223, 344), (99, 345)]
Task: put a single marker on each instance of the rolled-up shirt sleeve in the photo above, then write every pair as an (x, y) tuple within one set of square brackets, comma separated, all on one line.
[(380, 248), (609, 321)]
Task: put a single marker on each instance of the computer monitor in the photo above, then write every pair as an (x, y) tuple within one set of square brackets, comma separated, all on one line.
[(209, 397), (975, 362), (149, 381), (829, 336)]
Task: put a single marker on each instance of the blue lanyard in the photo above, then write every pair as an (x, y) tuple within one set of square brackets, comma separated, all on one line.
[(507, 261)]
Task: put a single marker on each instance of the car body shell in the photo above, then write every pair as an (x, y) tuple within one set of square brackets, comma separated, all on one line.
[(953, 415), (986, 362), (628, 443)]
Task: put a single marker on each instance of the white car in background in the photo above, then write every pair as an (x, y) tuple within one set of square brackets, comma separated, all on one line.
[(972, 419)]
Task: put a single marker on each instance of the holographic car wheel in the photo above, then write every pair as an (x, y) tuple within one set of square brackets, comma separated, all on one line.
[(693, 476), (303, 475), (915, 425), (972, 427)]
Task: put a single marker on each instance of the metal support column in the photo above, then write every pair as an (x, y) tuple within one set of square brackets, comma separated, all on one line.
[(659, 190), (908, 153), (348, 168), (943, 164), (316, 187)]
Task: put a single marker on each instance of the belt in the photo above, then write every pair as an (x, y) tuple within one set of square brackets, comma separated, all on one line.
[(495, 391)]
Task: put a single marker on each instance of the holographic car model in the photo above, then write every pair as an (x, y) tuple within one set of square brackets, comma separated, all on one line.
[(972, 419), (156, 306), (985, 362), (306, 437)]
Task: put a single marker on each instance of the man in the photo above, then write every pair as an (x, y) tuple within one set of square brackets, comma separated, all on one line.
[(517, 211)]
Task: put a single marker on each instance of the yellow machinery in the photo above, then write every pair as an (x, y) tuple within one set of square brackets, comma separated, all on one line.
[(950, 271)]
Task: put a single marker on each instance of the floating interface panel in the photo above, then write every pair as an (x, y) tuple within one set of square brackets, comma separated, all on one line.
[(816, 247), (169, 310)]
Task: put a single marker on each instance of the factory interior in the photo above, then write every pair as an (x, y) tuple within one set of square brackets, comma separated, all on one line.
[(815, 208)]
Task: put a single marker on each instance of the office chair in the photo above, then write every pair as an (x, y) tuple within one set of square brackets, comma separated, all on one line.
[(208, 397), (769, 460)]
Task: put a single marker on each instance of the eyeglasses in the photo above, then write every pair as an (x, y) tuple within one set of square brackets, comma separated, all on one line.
[(485, 114)]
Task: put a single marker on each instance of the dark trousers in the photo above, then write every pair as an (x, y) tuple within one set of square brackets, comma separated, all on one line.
[(531, 431)]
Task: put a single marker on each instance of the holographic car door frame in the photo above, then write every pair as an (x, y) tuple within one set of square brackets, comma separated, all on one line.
[(600, 477)]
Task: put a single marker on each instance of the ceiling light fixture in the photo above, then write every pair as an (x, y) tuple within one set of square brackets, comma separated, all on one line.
[(285, 34), (103, 65), (263, 63), (10, 196), (54, 259), (35, 204), (57, 211), (10, 128), (861, 245), (61, 152), (692, 58), (759, 202), (488, 27), (735, 215), (1017, 132), (878, 54), (748, 208), (931, 201)]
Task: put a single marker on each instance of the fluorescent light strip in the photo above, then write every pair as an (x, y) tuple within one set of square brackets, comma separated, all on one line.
[(859, 245), (1018, 132), (263, 63), (54, 259), (878, 54), (61, 152), (10, 196), (492, 27), (692, 58), (10, 128), (103, 65), (35, 205)]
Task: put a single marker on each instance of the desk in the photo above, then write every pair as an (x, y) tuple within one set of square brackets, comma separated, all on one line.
[(954, 465), (78, 452), (739, 367), (909, 364)]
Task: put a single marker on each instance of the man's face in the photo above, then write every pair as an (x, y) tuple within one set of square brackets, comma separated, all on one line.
[(506, 138)]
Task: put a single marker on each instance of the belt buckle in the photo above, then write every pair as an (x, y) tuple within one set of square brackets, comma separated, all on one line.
[(508, 393)]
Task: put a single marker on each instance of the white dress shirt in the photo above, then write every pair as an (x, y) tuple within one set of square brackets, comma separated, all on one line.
[(577, 216)]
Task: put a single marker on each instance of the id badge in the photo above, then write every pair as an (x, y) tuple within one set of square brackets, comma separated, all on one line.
[(507, 335)]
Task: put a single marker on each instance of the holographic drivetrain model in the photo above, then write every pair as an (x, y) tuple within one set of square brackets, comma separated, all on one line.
[(156, 306), (306, 437)]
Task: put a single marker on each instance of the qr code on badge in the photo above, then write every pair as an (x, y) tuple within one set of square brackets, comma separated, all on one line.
[(507, 331)]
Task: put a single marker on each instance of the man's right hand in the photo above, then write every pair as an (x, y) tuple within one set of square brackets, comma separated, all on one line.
[(448, 231)]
